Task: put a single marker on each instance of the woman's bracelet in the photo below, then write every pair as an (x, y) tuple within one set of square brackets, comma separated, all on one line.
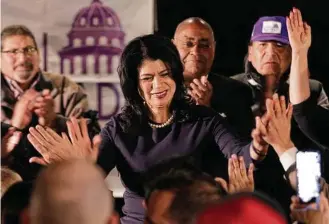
[(257, 151)]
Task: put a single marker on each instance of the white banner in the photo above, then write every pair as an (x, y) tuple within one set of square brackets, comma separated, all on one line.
[(83, 39)]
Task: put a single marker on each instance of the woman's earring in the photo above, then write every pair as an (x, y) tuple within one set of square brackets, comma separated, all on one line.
[(141, 97)]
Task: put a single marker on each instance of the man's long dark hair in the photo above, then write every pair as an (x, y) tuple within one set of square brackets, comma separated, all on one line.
[(152, 47)]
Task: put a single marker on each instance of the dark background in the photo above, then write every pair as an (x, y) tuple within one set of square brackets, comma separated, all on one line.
[(232, 22)]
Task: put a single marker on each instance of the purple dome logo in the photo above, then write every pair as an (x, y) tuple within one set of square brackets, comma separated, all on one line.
[(95, 38)]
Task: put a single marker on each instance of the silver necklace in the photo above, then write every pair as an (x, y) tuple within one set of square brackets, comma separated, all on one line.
[(164, 124)]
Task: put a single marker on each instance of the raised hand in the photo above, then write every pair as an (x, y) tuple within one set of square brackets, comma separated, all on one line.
[(240, 180), (201, 91), (259, 147), (9, 141), (80, 139), (310, 213), (44, 108), (22, 113), (279, 125), (54, 148), (299, 32)]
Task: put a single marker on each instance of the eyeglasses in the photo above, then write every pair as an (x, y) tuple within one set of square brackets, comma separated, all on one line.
[(26, 51), (203, 44)]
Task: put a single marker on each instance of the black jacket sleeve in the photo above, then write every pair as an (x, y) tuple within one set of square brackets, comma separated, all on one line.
[(313, 120)]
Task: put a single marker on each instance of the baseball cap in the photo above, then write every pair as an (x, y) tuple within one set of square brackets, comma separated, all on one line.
[(270, 28)]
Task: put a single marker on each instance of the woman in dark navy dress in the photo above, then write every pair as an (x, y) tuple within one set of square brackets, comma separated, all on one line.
[(158, 123)]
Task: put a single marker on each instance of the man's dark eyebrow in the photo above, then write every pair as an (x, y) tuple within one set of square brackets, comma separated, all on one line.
[(204, 39), (192, 38), (28, 46), (189, 38)]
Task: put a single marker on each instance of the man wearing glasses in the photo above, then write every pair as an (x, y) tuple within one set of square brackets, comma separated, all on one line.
[(194, 39), (29, 97)]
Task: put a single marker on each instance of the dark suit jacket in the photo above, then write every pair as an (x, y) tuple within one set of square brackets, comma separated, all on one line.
[(233, 99), (313, 120)]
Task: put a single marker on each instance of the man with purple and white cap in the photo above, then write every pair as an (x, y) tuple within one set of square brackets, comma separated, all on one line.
[(267, 70), (270, 28), (268, 59)]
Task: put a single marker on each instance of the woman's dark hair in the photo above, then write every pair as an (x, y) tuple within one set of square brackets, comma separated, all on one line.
[(152, 47)]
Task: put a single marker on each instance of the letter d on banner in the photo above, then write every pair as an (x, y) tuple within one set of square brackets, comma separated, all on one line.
[(104, 101)]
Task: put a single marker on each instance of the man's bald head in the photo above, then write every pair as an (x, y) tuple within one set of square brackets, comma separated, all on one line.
[(194, 39), (194, 21), (71, 192)]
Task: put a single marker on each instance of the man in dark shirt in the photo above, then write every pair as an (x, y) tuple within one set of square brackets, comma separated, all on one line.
[(194, 39), (267, 68)]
